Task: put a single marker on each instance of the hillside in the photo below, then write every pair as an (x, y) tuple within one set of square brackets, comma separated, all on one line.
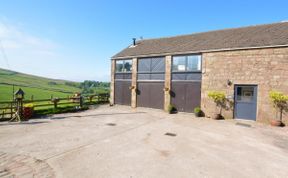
[(39, 87)]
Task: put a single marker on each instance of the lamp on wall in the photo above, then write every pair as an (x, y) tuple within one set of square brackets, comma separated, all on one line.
[(166, 89), (229, 82), (132, 87)]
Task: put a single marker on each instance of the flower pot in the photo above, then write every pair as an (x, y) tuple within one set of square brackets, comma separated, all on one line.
[(28, 113), (173, 112), (199, 114), (276, 123), (217, 117)]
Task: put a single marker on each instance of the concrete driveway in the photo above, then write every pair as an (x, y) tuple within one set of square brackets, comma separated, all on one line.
[(131, 143)]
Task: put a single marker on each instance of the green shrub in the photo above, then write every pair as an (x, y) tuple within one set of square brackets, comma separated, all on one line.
[(197, 110), (219, 98), (65, 109), (279, 101), (171, 108)]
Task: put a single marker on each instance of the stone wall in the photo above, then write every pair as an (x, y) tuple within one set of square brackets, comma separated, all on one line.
[(134, 83), (112, 84), (267, 68), (167, 97)]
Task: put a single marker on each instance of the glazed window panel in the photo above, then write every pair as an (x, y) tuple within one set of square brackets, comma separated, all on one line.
[(119, 66), (189, 63), (144, 65), (193, 63), (245, 94), (158, 64), (127, 65), (123, 66), (151, 68), (179, 63)]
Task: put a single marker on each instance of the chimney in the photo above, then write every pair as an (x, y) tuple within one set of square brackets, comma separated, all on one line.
[(134, 41)]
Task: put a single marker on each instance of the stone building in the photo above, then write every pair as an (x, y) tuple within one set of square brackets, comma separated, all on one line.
[(245, 63)]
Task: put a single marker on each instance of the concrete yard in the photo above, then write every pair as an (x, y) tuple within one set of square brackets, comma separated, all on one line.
[(121, 142)]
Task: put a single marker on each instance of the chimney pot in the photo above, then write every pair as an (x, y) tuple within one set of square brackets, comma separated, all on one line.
[(134, 41)]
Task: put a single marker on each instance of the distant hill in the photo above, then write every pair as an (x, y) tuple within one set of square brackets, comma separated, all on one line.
[(39, 87)]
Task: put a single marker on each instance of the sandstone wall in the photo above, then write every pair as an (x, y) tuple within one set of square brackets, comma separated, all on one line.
[(267, 68)]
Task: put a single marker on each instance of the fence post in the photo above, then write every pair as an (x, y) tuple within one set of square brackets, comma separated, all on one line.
[(55, 102), (11, 109), (91, 98), (81, 101)]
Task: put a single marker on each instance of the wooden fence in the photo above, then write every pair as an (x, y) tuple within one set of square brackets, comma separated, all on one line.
[(8, 108)]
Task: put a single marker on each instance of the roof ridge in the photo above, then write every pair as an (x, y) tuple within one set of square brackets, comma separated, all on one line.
[(225, 29)]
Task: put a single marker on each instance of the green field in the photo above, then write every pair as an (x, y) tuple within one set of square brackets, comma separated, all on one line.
[(39, 87)]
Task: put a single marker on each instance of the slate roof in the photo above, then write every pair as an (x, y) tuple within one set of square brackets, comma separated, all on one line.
[(258, 36)]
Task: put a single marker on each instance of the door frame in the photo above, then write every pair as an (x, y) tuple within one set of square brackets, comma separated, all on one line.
[(235, 95)]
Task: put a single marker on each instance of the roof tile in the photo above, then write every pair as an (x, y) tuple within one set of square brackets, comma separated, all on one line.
[(245, 37)]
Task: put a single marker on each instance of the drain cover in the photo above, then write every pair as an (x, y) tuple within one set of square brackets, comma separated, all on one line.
[(111, 124), (243, 124), (170, 134)]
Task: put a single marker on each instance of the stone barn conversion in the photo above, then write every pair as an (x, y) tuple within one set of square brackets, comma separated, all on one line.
[(245, 63)]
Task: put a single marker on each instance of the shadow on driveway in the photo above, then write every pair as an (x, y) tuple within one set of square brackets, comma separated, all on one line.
[(91, 115), (24, 123)]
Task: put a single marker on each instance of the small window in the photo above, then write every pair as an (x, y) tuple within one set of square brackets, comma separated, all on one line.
[(245, 94), (190, 63), (123, 65)]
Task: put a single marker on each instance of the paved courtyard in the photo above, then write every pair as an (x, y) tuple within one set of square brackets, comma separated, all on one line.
[(122, 142)]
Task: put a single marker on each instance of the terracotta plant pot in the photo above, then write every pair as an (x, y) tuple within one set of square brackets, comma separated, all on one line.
[(217, 117), (276, 123)]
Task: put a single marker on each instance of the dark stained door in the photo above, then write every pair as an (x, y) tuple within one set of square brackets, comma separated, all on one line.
[(185, 96), (150, 94), (122, 92)]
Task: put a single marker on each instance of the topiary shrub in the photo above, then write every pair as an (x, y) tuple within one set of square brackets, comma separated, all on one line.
[(219, 99), (279, 102)]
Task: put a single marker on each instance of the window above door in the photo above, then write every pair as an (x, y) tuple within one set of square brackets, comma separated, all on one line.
[(187, 63), (123, 66)]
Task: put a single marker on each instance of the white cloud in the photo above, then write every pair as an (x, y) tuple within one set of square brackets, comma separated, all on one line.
[(36, 55), (25, 52), (15, 39)]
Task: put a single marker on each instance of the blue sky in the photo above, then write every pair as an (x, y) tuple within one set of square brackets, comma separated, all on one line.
[(74, 40)]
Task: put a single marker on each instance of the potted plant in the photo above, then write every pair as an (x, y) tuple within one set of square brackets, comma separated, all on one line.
[(28, 111), (198, 112), (219, 99), (280, 103), (172, 109)]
